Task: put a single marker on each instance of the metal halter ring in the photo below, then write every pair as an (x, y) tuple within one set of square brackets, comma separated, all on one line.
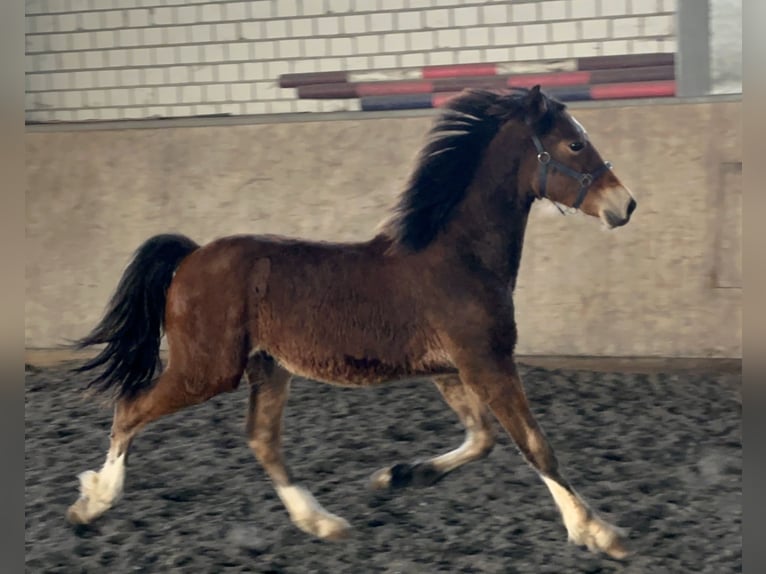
[(586, 180), (544, 157)]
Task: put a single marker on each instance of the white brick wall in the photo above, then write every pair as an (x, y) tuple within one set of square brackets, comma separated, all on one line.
[(111, 59)]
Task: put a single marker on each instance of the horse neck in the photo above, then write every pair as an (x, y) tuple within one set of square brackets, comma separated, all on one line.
[(489, 225)]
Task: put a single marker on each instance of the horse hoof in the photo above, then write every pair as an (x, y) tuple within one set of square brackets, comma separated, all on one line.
[(76, 514), (380, 479)]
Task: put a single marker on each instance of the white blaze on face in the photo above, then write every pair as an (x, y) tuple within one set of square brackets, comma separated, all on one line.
[(579, 126)]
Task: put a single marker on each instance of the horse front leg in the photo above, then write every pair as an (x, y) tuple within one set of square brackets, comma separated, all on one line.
[(499, 385)]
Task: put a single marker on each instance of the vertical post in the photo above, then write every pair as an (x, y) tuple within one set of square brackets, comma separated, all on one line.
[(693, 54)]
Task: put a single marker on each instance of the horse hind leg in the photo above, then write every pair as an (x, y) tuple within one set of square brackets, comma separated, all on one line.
[(99, 491), (478, 443), (269, 391)]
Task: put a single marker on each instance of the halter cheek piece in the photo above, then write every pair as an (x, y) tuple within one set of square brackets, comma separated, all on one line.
[(586, 179)]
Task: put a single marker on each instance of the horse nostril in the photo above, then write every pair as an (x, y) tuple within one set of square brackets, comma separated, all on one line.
[(631, 206)]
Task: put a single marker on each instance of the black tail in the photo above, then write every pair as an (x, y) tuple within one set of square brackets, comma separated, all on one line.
[(133, 323)]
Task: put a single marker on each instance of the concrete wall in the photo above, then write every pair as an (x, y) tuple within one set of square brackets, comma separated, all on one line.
[(668, 284)]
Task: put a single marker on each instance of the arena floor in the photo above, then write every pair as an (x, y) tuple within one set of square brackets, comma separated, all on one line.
[(658, 452)]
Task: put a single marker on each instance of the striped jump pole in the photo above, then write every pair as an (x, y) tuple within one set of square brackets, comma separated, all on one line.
[(591, 63)]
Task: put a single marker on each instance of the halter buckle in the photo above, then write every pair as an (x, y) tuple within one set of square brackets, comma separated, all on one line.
[(586, 180)]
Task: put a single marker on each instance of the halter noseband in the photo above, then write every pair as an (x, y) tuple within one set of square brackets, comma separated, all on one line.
[(586, 179)]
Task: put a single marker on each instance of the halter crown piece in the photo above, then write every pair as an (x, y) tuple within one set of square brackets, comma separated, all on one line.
[(586, 179)]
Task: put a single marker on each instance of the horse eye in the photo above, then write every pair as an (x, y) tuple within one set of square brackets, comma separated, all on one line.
[(576, 146)]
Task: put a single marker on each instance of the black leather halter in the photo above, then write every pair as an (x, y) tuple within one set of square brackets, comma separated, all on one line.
[(586, 179)]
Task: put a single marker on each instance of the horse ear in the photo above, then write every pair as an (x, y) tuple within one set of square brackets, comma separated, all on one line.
[(536, 104)]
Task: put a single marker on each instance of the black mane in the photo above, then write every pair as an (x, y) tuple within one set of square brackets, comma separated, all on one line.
[(449, 160)]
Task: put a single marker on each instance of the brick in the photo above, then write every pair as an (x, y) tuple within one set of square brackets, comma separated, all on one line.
[(240, 51), (498, 54), (252, 30), (94, 59), (312, 7), (213, 53), (614, 48), (586, 49), (179, 34), (129, 77), (289, 48), (104, 39), (368, 44), (384, 61), (504, 36), (614, 8), (644, 6), (339, 6), (301, 27), (554, 10), (476, 37), (495, 14), (160, 16), (128, 37), (212, 13), (281, 107), (167, 94), (60, 81), (448, 39), (317, 47), (275, 69), (60, 42), (287, 8), (152, 37), (215, 93), (263, 50), (659, 26), (154, 76), (119, 97), (534, 34), (646, 46), (594, 29), (117, 58), (306, 66), (185, 15), (563, 31), (191, 94), (669, 6), (257, 108), (141, 56), (189, 54), (394, 43), (328, 26), (97, 98), (469, 56), (355, 24), (138, 18), (205, 109), (81, 41), (178, 75), (165, 55), (420, 41), (409, 20), (228, 73), (626, 27), (68, 61), (556, 51), (253, 71), (201, 74), (145, 96), (582, 9), (90, 21), (437, 18), (441, 58), (105, 78), (240, 92), (366, 5), (235, 11), (225, 32), (526, 12), (420, 3), (66, 22), (275, 29), (466, 16), (199, 33), (340, 47), (352, 63), (413, 60), (301, 106), (381, 22), (43, 24), (526, 53), (154, 111), (35, 44), (39, 82)]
